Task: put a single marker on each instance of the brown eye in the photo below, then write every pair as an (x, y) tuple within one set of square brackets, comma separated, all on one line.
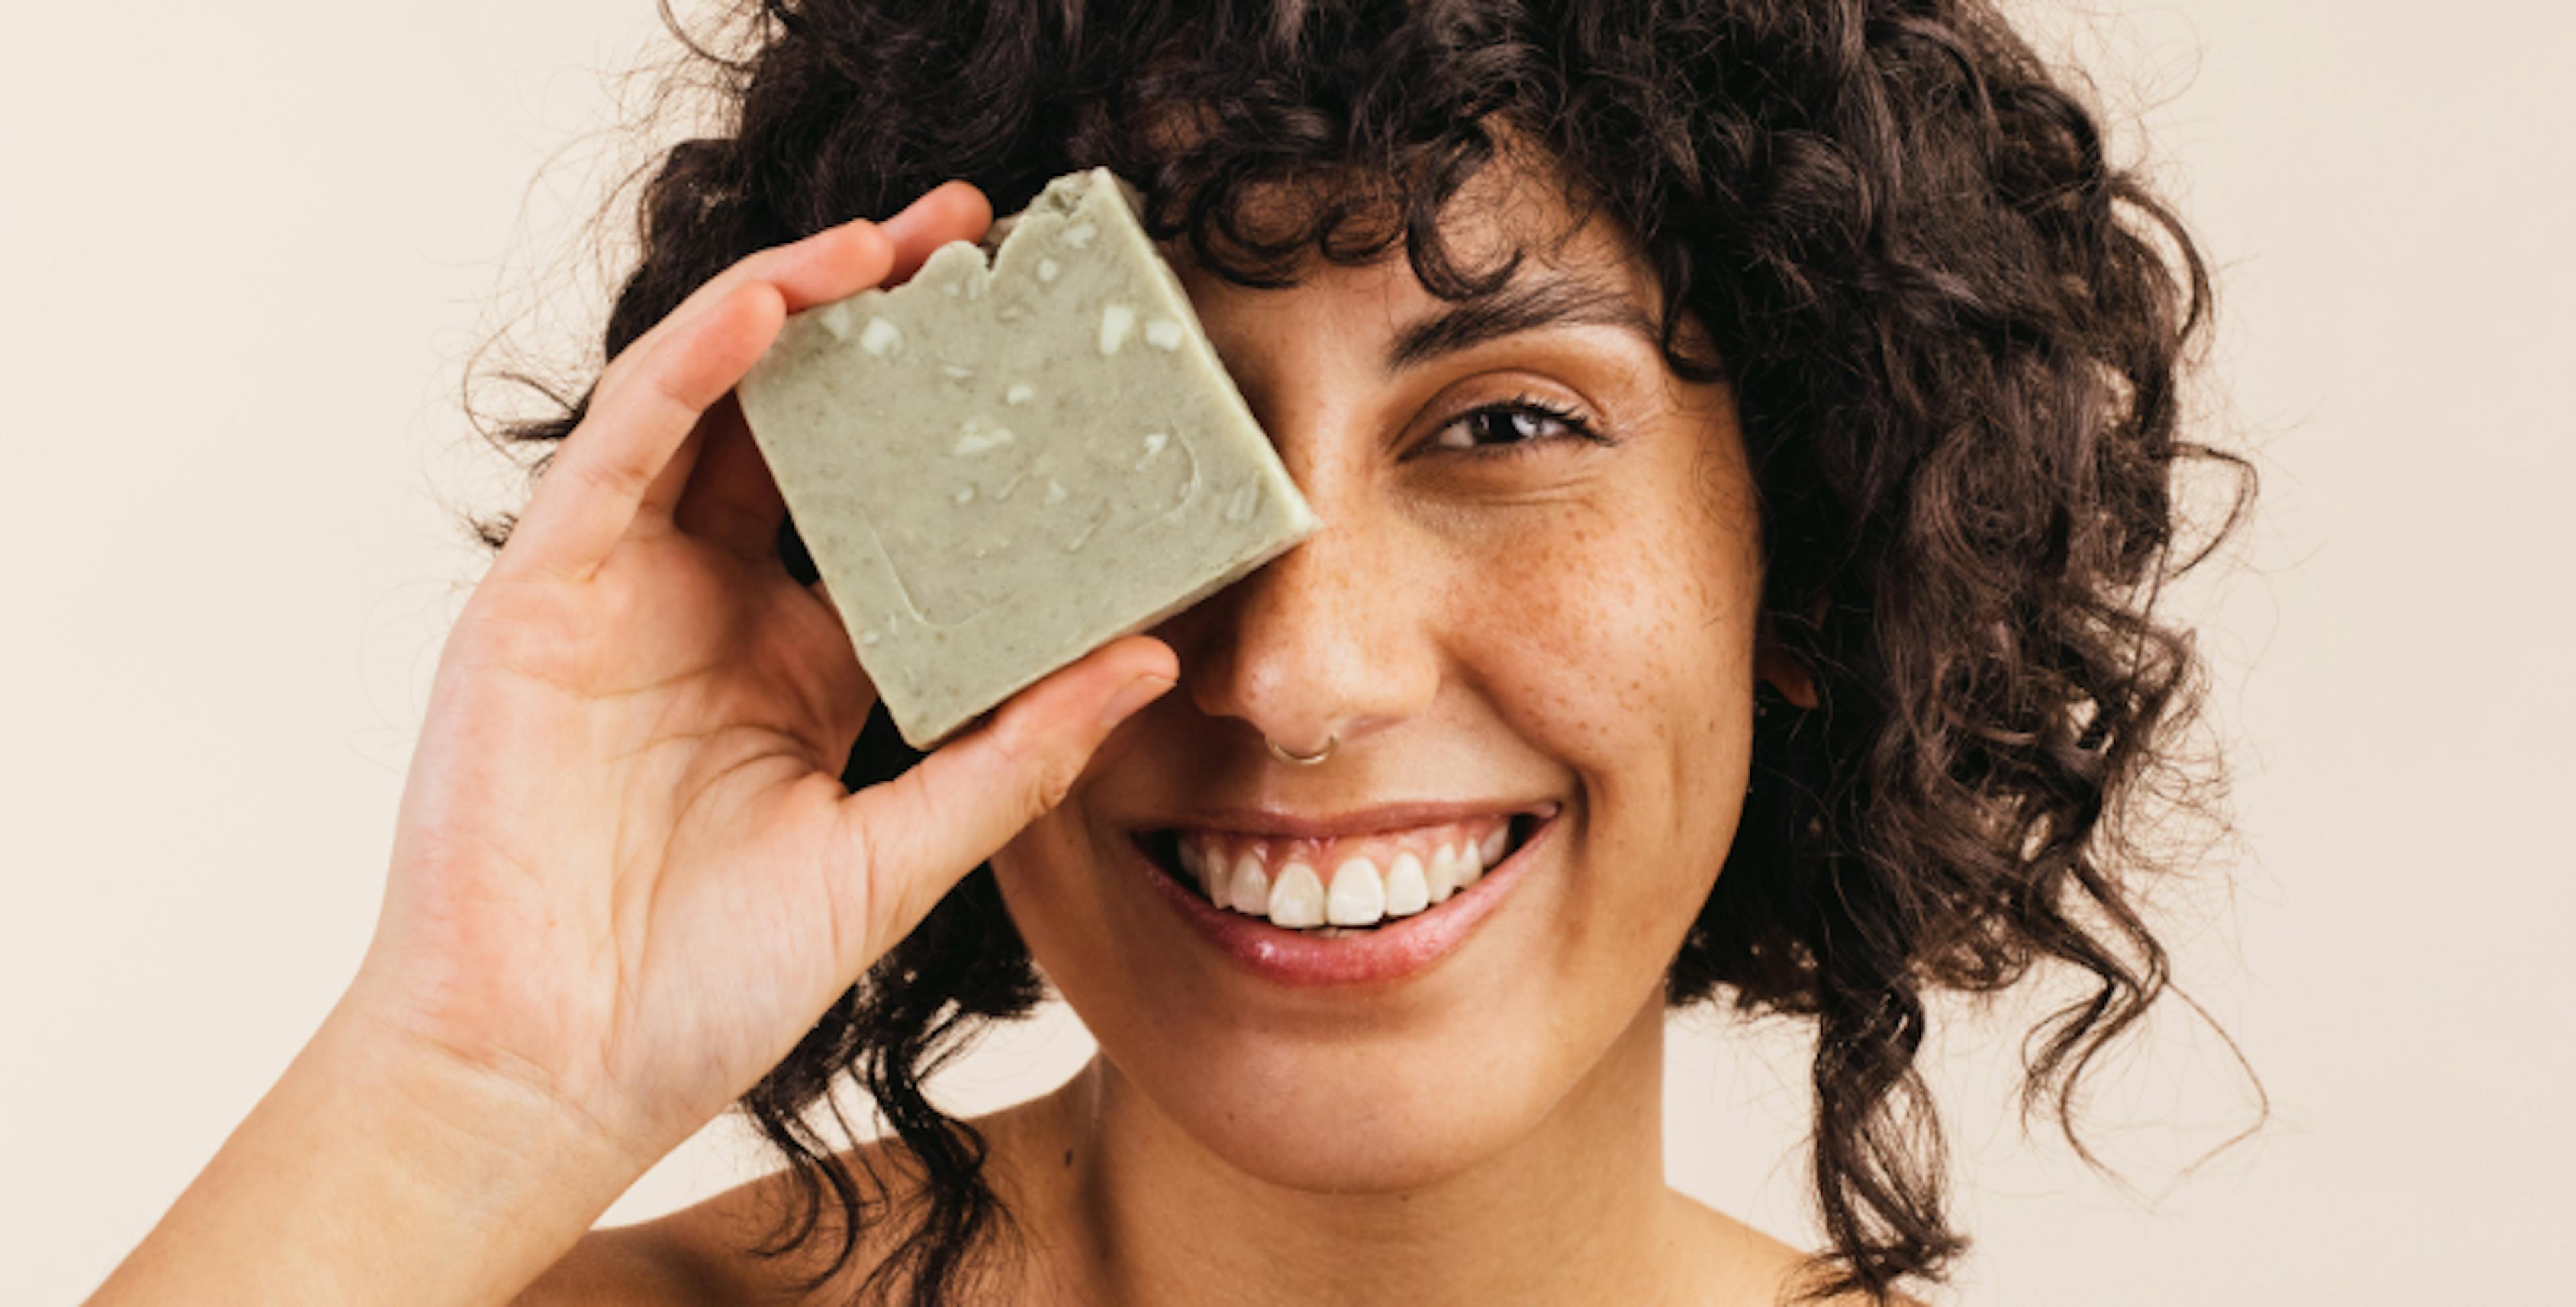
[(1518, 423)]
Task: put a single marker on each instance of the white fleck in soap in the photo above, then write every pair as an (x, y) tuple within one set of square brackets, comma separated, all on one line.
[(1150, 486)]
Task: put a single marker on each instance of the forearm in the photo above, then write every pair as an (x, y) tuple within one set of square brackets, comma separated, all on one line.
[(374, 1173)]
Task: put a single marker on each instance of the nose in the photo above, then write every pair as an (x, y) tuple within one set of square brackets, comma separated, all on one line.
[(1330, 643)]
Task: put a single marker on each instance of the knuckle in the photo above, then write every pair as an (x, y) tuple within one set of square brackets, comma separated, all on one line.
[(1049, 787), (620, 371), (1046, 775), (611, 477), (669, 392)]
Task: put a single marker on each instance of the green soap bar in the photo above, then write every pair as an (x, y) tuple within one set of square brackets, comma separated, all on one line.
[(1001, 466)]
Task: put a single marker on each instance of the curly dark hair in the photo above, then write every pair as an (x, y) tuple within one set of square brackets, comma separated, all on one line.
[(1954, 332)]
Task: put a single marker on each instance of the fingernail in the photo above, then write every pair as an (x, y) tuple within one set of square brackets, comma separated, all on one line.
[(1130, 697)]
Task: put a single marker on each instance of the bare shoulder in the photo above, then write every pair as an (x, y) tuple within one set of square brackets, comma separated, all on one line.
[(638, 1264), (704, 1254), (1737, 1253), (701, 1255)]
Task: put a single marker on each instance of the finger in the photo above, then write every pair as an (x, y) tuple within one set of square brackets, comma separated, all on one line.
[(916, 835), (662, 494), (740, 508), (950, 211), (953, 210), (614, 484), (651, 398), (637, 422), (732, 501)]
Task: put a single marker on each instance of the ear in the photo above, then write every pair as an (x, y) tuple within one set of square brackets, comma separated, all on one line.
[(1785, 671)]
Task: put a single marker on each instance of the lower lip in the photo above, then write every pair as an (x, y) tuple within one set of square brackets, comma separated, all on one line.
[(1387, 953)]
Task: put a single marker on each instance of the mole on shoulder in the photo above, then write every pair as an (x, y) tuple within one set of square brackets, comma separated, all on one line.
[(1068, 1157)]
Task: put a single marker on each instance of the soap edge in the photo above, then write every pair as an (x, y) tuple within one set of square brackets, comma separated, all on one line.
[(937, 731)]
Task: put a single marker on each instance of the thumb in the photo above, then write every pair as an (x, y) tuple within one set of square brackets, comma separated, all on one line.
[(908, 840)]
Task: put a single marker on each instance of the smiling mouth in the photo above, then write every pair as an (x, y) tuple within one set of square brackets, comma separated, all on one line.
[(1349, 885)]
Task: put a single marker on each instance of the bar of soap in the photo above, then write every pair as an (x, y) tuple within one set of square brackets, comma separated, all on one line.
[(1001, 465)]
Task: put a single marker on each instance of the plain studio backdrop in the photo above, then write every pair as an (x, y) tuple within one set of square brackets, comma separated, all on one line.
[(248, 250)]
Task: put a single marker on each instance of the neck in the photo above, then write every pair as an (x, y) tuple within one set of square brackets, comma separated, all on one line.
[(1575, 1209)]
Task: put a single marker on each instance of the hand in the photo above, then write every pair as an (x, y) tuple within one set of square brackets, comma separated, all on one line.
[(625, 870)]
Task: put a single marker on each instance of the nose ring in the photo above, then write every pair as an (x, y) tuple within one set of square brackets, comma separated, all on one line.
[(1303, 759)]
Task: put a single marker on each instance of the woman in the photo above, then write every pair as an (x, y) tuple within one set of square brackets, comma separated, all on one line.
[(1746, 434)]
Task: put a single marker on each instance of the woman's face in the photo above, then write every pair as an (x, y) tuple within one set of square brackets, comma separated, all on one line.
[(1504, 626)]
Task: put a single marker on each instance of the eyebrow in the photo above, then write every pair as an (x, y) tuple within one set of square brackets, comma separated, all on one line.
[(1546, 301)]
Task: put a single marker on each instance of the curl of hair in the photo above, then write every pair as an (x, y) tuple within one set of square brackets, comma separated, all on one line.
[(1954, 332)]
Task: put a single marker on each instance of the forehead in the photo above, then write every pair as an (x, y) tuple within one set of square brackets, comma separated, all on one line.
[(1575, 260)]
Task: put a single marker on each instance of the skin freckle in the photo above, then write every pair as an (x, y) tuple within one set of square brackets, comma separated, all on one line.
[(1460, 642)]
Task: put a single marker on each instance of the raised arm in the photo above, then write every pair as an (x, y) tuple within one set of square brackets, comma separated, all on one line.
[(626, 877)]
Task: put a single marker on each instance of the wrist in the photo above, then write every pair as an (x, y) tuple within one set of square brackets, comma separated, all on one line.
[(382, 1170), (493, 1171), (480, 1105), (501, 1148)]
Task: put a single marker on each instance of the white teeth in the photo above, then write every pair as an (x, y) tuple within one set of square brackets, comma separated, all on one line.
[(1213, 874), (1297, 901), (1194, 864), (1358, 897), (1441, 877), (1351, 893), (1249, 891), (1406, 891)]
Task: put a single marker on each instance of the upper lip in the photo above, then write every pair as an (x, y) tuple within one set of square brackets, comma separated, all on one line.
[(1282, 824)]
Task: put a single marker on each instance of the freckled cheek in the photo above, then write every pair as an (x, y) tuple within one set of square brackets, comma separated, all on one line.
[(1604, 631)]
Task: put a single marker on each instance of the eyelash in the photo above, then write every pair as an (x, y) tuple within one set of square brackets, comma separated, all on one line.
[(1531, 405)]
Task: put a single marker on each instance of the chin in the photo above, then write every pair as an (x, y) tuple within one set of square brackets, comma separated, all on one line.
[(1352, 1060), (1350, 1122)]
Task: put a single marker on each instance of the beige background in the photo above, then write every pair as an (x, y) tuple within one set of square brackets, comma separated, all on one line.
[(245, 250)]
